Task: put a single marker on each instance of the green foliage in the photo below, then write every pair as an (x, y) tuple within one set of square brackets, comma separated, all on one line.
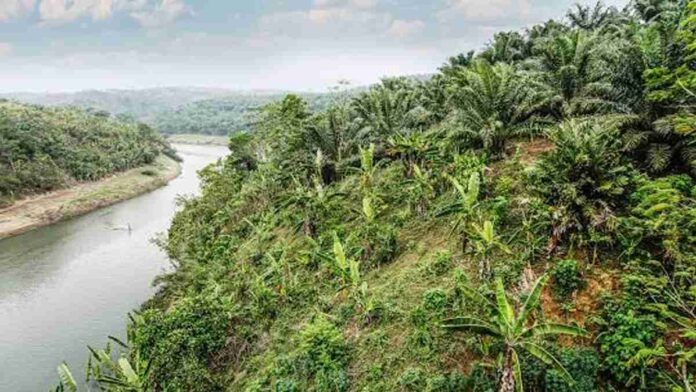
[(494, 103), (179, 344), (44, 149), (511, 329), (324, 355), (623, 337), (584, 180), (343, 213), (567, 278), (412, 380)]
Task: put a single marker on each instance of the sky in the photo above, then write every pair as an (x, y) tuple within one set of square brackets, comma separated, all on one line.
[(308, 45)]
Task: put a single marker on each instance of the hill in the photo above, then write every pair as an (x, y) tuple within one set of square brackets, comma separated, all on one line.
[(524, 220), (44, 149)]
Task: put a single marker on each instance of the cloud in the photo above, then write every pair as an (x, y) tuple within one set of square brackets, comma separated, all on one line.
[(63, 11), (405, 28), (344, 19), (10, 9), (162, 14), (5, 49), (484, 10), (149, 13)]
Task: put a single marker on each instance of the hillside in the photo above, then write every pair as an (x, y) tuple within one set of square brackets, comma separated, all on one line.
[(175, 110), (136, 103), (44, 149), (523, 220)]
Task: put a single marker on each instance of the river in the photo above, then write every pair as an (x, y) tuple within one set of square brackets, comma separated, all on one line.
[(71, 284)]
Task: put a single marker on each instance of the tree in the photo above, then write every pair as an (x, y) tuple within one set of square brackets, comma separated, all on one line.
[(494, 103), (576, 79), (515, 331)]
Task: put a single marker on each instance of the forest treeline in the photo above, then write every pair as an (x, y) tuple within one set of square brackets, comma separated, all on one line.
[(523, 220), (184, 110), (44, 149)]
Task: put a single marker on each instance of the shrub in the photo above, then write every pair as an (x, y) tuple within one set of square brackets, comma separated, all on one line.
[(412, 380), (567, 278), (624, 334), (324, 355), (179, 343), (440, 264), (435, 300), (583, 366)]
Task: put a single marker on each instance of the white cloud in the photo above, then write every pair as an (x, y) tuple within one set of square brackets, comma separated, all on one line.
[(162, 14), (62, 11), (13, 8), (405, 28), (344, 19), (364, 3), (5, 49), (149, 13), (485, 10)]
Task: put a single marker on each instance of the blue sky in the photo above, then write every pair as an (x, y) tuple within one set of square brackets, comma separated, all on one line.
[(67, 45)]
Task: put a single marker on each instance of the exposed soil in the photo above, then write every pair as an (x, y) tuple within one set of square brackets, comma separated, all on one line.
[(42, 210)]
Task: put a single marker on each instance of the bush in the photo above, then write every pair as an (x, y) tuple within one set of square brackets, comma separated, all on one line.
[(180, 343), (624, 334), (412, 380), (567, 278), (324, 355)]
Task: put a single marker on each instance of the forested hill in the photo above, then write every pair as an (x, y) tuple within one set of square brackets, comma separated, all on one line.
[(525, 220), (43, 149), (175, 110), (136, 103)]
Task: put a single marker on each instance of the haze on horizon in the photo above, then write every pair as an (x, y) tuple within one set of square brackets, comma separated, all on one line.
[(306, 45)]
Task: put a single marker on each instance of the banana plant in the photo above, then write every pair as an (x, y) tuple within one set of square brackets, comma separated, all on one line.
[(67, 382), (349, 268), (464, 207), (422, 189), (517, 331), (486, 242)]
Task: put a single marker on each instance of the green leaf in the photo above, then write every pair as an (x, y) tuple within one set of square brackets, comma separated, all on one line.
[(554, 329), (339, 254), (504, 307), (531, 303), (128, 371), (66, 378), (548, 359)]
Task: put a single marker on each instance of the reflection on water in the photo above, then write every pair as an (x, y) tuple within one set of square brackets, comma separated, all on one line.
[(70, 285)]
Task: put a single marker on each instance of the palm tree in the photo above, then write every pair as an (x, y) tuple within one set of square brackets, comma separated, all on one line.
[(507, 47), (386, 109), (494, 103), (514, 331), (576, 79), (592, 18)]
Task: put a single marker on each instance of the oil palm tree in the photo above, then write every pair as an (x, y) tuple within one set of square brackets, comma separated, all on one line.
[(494, 103), (386, 109), (576, 79), (517, 331)]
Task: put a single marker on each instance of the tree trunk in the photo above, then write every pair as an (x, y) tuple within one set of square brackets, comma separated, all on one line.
[(507, 380)]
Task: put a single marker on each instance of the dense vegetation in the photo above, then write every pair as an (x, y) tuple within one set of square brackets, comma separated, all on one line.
[(43, 149), (175, 110), (524, 220), (222, 116)]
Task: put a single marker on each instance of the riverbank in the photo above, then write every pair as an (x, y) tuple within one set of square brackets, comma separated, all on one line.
[(198, 140), (49, 208)]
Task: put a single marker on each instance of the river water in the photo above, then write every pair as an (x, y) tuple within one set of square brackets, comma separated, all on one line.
[(70, 285)]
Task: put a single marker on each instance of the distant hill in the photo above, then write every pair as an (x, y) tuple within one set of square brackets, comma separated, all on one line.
[(173, 110), (138, 103)]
